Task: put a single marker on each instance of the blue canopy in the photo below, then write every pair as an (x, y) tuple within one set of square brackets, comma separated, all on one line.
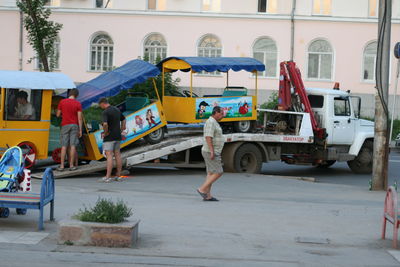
[(222, 64), (35, 80), (112, 82)]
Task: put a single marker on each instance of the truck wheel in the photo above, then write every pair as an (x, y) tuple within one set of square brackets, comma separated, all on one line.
[(155, 137), (242, 126), (362, 164), (326, 164), (246, 158)]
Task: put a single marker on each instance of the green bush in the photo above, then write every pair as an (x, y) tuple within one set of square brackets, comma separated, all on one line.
[(105, 211)]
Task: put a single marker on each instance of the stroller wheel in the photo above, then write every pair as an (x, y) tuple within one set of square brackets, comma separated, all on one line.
[(4, 213), (21, 211)]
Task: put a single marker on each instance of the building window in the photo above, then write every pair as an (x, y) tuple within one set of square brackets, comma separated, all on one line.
[(209, 46), (53, 60), (320, 60), (322, 7), (211, 5), (155, 48), (101, 53), (267, 6), (156, 4), (373, 8), (369, 62), (103, 3), (265, 50)]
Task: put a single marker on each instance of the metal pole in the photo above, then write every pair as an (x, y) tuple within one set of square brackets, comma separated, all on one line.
[(21, 31), (381, 142), (394, 100), (292, 30)]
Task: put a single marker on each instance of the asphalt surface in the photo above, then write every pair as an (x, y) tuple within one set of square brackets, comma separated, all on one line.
[(260, 221)]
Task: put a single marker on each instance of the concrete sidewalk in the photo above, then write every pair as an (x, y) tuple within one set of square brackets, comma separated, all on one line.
[(260, 221)]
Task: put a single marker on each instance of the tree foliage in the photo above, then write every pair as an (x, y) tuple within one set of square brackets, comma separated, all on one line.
[(42, 33)]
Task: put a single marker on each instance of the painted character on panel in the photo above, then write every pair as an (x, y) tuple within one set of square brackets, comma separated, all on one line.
[(150, 118), (202, 108), (139, 121), (244, 108)]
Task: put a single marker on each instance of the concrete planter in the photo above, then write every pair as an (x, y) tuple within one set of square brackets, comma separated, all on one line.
[(98, 234)]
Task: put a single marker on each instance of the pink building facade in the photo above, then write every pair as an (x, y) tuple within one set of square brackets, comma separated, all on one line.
[(334, 40)]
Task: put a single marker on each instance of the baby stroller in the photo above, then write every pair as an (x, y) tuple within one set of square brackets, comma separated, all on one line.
[(11, 173)]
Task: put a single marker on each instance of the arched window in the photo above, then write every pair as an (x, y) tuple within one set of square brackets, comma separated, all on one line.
[(54, 59), (265, 50), (101, 53), (369, 61), (209, 46), (155, 48), (320, 60)]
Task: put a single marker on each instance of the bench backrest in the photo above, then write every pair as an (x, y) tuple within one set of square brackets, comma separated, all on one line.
[(390, 208), (47, 188)]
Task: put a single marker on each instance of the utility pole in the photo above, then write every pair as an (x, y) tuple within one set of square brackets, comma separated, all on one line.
[(381, 139)]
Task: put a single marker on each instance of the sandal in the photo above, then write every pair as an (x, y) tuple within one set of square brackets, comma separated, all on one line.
[(60, 169), (210, 199), (203, 195), (73, 168)]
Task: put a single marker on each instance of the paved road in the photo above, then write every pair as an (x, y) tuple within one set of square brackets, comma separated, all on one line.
[(260, 221), (339, 173)]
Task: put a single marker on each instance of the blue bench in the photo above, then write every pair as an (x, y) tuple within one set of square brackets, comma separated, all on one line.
[(22, 200)]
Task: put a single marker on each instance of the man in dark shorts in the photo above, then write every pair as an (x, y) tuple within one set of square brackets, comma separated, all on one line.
[(211, 152), (71, 127), (114, 124)]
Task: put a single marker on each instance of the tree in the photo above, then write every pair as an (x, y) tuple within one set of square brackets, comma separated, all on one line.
[(42, 33)]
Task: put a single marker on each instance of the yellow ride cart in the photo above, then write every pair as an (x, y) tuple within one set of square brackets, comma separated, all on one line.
[(239, 107), (144, 117), (25, 103)]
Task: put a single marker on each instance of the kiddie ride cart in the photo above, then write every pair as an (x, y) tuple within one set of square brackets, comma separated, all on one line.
[(31, 131), (239, 107), (13, 176), (144, 117)]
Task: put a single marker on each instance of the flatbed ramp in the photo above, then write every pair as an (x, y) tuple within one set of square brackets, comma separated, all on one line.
[(136, 153), (142, 153)]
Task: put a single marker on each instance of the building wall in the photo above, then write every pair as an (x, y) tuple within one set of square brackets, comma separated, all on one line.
[(238, 26)]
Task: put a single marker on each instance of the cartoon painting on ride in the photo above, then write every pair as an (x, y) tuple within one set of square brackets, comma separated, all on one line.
[(233, 107), (137, 123)]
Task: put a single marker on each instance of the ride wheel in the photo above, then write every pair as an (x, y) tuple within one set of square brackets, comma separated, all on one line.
[(4, 212), (56, 155), (29, 153)]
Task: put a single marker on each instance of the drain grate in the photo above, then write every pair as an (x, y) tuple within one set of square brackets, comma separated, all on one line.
[(312, 240)]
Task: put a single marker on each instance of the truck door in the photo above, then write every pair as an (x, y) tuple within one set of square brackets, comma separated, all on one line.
[(343, 124)]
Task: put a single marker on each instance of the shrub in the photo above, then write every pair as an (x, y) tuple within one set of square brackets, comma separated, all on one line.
[(105, 211)]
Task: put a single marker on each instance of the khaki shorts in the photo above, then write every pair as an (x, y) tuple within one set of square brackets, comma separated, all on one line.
[(213, 166), (111, 146), (69, 135)]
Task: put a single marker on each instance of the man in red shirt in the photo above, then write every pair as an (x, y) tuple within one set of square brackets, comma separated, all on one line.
[(71, 127)]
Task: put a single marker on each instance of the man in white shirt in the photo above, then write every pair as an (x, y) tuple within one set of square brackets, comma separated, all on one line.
[(24, 109)]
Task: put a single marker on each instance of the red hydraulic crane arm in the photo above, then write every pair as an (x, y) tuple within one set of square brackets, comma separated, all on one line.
[(290, 77)]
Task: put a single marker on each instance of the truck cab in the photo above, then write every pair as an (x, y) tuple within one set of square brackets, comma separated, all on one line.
[(339, 113)]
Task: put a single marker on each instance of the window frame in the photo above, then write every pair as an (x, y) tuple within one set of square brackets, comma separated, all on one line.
[(37, 109), (90, 50), (210, 6), (319, 61), (264, 54), (147, 37), (200, 41), (321, 10), (347, 107), (363, 64), (57, 50)]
